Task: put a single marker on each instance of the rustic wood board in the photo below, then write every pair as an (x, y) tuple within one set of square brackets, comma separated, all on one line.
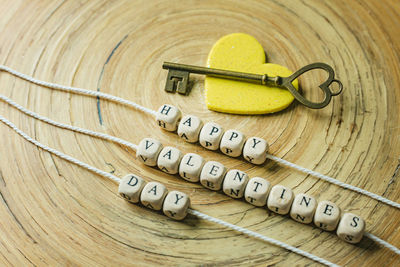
[(55, 213)]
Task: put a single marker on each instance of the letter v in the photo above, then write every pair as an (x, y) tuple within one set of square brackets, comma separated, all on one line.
[(147, 144)]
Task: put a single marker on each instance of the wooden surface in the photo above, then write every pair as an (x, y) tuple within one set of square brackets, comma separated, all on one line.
[(55, 213)]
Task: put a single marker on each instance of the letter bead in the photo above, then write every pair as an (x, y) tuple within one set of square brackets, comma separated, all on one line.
[(168, 117), (255, 150), (168, 159), (351, 228), (232, 143), (212, 175), (280, 199), (148, 151), (176, 204), (327, 215), (257, 190), (303, 208), (153, 195), (190, 167), (210, 135), (234, 183), (189, 128), (130, 187)]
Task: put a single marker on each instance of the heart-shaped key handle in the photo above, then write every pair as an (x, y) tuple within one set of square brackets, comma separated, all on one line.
[(287, 83)]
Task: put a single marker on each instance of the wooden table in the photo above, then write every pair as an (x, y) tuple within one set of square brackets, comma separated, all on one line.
[(56, 213)]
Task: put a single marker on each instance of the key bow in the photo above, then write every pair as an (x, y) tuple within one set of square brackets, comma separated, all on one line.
[(287, 83)]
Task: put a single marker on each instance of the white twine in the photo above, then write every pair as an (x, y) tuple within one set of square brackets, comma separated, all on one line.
[(334, 181), (78, 90), (382, 243), (58, 153), (262, 237), (69, 127), (134, 147)]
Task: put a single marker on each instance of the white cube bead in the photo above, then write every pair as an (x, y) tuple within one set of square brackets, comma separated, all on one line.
[(190, 167), (327, 215), (235, 182), (303, 208), (257, 190), (189, 128), (130, 187), (280, 199), (212, 175), (232, 143), (148, 151), (153, 195), (210, 135), (169, 159), (351, 228), (255, 150), (176, 204), (168, 117)]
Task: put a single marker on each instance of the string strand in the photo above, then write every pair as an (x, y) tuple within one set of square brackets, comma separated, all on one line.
[(262, 237), (78, 90), (383, 243), (334, 181), (68, 127), (191, 211), (58, 153)]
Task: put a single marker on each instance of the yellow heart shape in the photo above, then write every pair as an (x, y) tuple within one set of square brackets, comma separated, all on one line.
[(242, 52)]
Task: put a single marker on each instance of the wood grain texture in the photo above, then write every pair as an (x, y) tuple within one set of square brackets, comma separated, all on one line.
[(55, 213)]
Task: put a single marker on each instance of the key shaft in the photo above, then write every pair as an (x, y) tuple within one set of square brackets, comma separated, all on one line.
[(226, 74)]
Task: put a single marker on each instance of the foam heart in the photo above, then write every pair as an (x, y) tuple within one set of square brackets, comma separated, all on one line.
[(242, 52)]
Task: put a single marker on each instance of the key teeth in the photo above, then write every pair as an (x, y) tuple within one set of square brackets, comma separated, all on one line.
[(177, 81), (169, 85), (183, 86)]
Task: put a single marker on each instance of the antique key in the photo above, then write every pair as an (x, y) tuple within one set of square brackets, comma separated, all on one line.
[(178, 77)]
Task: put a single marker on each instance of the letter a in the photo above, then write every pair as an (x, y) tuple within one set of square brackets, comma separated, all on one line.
[(154, 190), (188, 122)]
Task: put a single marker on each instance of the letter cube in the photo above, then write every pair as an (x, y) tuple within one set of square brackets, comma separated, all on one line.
[(210, 135), (303, 208), (130, 187), (189, 128), (257, 190), (168, 117), (280, 199), (327, 215), (153, 195), (351, 228), (176, 204), (235, 182), (168, 159), (148, 151), (191, 166), (232, 143), (255, 150), (212, 175)]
